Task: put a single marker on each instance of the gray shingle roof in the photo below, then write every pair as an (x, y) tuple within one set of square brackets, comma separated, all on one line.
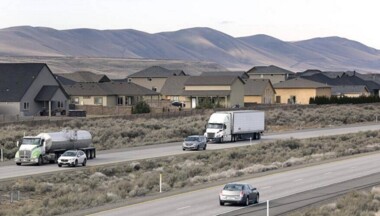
[(271, 69), (211, 80), (108, 89), (16, 78), (349, 89), (299, 83), (157, 71), (256, 87), (213, 93), (83, 76), (46, 93), (241, 74), (174, 85)]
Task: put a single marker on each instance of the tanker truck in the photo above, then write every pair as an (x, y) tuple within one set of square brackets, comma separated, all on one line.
[(47, 147), (230, 126)]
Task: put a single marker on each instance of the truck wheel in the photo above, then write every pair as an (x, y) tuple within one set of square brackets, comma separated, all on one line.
[(18, 164), (258, 136), (39, 163)]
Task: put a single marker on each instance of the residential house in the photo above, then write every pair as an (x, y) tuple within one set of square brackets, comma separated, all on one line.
[(173, 90), (259, 91), (81, 76), (223, 91), (28, 89), (273, 73), (350, 90), (242, 74), (299, 91), (153, 77), (109, 94)]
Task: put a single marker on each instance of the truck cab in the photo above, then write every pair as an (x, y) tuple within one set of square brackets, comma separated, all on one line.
[(218, 128), (30, 150)]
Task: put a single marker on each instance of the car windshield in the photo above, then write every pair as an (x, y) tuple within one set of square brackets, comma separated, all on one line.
[(192, 139), (31, 141), (215, 126), (233, 187), (69, 153)]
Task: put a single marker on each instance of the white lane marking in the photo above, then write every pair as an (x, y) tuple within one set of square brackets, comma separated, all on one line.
[(267, 187), (185, 207), (327, 173), (298, 180)]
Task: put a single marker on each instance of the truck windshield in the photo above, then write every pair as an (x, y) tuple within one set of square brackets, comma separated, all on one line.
[(215, 126), (31, 141)]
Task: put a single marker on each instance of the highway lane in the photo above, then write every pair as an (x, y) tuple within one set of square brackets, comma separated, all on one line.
[(205, 201), (159, 150)]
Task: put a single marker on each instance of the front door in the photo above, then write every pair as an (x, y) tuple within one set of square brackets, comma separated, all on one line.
[(193, 102)]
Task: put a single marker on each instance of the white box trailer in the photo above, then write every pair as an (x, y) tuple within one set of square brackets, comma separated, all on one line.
[(235, 125)]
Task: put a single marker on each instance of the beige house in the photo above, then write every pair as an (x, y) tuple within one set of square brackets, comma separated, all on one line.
[(173, 90), (259, 91), (153, 77), (273, 73), (109, 94), (299, 91)]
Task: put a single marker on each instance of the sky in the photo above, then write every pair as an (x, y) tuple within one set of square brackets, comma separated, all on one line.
[(288, 20)]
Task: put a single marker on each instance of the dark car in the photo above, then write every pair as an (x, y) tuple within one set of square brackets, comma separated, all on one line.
[(195, 142), (239, 193), (178, 104)]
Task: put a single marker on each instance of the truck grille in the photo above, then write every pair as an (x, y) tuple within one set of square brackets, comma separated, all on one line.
[(25, 154), (210, 135)]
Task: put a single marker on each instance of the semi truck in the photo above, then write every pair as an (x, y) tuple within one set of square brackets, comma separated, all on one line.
[(230, 126), (47, 147)]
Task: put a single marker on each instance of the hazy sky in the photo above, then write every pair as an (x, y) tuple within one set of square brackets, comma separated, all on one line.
[(287, 20)]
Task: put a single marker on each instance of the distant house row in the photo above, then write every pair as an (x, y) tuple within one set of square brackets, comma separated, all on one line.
[(30, 89)]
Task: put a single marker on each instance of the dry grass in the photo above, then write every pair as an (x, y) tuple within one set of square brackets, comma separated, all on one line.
[(85, 188)]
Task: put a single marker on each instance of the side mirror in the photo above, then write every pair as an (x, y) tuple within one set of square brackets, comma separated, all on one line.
[(17, 143)]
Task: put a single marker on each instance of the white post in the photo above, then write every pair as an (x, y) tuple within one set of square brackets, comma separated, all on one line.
[(376, 118), (2, 159), (267, 207), (160, 182)]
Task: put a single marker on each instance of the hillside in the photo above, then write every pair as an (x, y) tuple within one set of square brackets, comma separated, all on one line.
[(190, 45)]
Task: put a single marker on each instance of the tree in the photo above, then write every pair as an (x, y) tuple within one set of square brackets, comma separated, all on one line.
[(141, 107)]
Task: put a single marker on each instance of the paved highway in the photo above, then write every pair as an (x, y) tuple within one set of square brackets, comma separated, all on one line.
[(107, 157), (205, 201)]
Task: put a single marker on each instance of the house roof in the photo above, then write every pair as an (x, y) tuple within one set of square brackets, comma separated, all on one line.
[(208, 93), (299, 83), (174, 85), (212, 80), (46, 93), (349, 89), (158, 72), (108, 89), (82, 76), (256, 86), (241, 74), (271, 69), (16, 78)]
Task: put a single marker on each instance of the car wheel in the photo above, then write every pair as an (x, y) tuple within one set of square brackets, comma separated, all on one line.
[(39, 163), (257, 198), (221, 203), (183, 149), (18, 164), (59, 165), (204, 147), (84, 162), (197, 147), (247, 201), (76, 163)]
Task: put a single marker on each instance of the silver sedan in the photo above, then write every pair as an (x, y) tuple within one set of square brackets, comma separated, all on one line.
[(239, 193)]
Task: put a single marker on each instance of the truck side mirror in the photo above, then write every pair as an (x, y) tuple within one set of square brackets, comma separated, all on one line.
[(42, 142)]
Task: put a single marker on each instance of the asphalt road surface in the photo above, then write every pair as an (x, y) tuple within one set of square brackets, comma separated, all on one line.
[(271, 187), (107, 157)]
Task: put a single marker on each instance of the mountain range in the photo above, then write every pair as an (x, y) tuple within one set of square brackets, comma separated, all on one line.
[(193, 44)]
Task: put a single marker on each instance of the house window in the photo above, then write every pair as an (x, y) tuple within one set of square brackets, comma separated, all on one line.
[(154, 88), (292, 100), (60, 104), (26, 105), (175, 98), (129, 101), (75, 100), (129, 80), (98, 100), (149, 79), (120, 101)]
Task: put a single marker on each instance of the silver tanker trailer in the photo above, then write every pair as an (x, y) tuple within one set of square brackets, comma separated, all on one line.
[(47, 147)]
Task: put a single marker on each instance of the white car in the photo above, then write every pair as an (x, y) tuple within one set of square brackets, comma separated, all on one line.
[(72, 158)]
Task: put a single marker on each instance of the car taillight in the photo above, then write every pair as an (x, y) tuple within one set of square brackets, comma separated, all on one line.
[(241, 193)]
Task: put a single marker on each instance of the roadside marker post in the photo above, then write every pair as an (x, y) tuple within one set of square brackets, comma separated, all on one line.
[(267, 207), (2, 158), (160, 183)]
